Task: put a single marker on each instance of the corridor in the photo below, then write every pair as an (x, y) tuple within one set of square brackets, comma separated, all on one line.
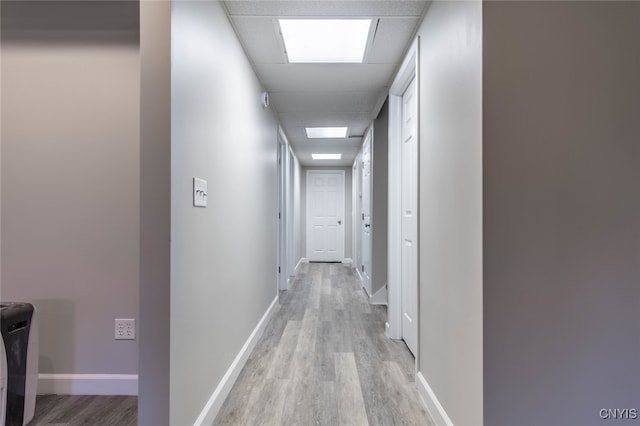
[(324, 360)]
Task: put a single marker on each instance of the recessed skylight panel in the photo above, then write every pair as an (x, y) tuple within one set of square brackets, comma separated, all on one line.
[(326, 156), (325, 40), (326, 132)]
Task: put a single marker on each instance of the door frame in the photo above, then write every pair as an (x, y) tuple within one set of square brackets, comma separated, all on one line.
[(281, 212), (366, 284), (344, 209), (408, 71), (356, 203)]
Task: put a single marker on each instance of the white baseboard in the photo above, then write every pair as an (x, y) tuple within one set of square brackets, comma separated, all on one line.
[(366, 290), (213, 405), (433, 405), (347, 261), (360, 276), (88, 384), (379, 297), (300, 262)]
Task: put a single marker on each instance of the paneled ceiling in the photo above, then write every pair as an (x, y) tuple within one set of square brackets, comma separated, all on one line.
[(317, 95)]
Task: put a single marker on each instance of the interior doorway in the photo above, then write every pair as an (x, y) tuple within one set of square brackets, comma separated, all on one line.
[(403, 254), (282, 213), (409, 212), (325, 215), (365, 222)]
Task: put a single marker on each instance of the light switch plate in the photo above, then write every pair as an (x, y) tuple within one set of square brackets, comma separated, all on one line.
[(199, 192)]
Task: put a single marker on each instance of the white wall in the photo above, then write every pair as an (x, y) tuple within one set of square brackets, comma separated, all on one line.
[(70, 177), (450, 340), (223, 257), (562, 211), (347, 207)]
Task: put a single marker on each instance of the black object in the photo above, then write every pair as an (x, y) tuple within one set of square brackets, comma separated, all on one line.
[(15, 324)]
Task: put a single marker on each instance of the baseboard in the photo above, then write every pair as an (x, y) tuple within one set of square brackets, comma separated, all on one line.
[(366, 290), (88, 384), (213, 405), (347, 261), (433, 405), (300, 262), (379, 297), (360, 277)]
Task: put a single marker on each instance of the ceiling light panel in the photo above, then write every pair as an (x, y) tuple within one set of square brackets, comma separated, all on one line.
[(325, 40), (326, 156), (326, 132)]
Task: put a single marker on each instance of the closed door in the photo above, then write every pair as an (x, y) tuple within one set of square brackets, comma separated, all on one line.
[(409, 203), (325, 216), (366, 213)]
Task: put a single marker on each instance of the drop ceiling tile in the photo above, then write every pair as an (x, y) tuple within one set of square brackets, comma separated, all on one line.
[(324, 101), (392, 39), (337, 77), (297, 119), (260, 40), (326, 8)]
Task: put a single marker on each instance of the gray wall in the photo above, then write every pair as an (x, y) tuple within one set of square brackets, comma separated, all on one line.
[(562, 211), (155, 212), (450, 340), (379, 199), (347, 207), (223, 257), (298, 230), (70, 177)]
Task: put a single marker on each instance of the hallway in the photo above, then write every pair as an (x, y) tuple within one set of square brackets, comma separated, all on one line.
[(324, 360)]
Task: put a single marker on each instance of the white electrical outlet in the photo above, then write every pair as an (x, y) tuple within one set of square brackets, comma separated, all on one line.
[(125, 329)]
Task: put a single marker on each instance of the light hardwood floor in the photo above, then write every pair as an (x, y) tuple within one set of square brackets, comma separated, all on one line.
[(324, 360)]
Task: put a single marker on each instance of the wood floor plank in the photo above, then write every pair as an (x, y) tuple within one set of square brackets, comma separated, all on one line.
[(403, 400), (324, 362), (308, 331), (350, 404), (325, 404), (283, 354), (299, 405)]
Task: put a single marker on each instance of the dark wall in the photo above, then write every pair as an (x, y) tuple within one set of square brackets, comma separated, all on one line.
[(55, 21), (379, 198), (561, 211)]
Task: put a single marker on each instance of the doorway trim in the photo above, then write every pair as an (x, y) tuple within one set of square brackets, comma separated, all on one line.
[(307, 210), (408, 71), (355, 215), (280, 212)]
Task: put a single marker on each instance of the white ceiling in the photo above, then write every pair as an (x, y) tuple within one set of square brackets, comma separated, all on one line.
[(317, 95)]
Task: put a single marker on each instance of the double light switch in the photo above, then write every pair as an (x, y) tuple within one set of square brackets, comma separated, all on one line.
[(199, 192)]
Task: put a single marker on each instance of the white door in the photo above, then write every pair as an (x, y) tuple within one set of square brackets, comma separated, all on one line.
[(409, 202), (365, 222), (325, 216)]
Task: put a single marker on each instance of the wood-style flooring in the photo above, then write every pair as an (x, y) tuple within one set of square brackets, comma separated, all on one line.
[(64, 410), (324, 360)]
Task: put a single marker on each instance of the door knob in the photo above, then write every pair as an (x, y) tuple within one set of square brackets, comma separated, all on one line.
[(367, 225), (339, 222)]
